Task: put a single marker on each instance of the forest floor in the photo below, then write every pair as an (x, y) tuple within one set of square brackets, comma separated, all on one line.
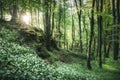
[(71, 64), (72, 59)]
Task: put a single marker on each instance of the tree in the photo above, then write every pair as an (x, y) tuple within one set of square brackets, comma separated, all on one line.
[(14, 11), (47, 24), (73, 31), (64, 25), (115, 28), (86, 32), (91, 35), (1, 10), (59, 23), (53, 17), (79, 12), (106, 31)]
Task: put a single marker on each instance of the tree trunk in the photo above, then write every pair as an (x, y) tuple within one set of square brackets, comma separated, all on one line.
[(1, 10), (100, 33), (59, 23), (53, 18), (115, 29), (116, 44), (14, 13), (73, 32), (79, 12), (64, 26), (47, 26), (108, 50), (91, 36), (86, 32)]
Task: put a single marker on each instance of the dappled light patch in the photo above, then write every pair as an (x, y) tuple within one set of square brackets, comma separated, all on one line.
[(109, 67)]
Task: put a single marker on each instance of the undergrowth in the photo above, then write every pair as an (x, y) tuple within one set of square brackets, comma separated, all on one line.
[(21, 62)]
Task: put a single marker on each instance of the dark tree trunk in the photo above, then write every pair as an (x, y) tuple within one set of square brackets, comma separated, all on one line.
[(116, 45), (86, 32), (59, 23), (73, 29), (14, 13), (47, 25), (53, 24), (100, 34), (31, 13), (91, 36), (73, 32), (99, 22), (64, 26), (1, 10), (79, 12), (97, 9), (115, 29), (53, 15), (107, 42), (38, 17), (80, 29)]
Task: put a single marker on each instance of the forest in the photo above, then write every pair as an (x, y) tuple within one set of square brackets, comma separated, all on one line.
[(59, 39)]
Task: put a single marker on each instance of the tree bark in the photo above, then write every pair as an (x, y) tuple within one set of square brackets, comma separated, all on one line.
[(91, 36), (47, 26), (115, 29), (53, 21), (1, 10), (64, 26), (59, 23), (14, 13), (73, 32), (79, 12), (100, 34), (86, 32)]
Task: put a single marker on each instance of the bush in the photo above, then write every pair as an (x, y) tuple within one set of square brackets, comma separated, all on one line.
[(29, 67), (9, 35), (21, 63), (74, 72)]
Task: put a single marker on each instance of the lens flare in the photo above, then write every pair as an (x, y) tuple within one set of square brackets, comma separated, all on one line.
[(26, 18)]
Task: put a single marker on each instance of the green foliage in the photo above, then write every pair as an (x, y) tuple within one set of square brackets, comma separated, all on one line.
[(19, 62), (28, 66), (74, 72), (9, 35)]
